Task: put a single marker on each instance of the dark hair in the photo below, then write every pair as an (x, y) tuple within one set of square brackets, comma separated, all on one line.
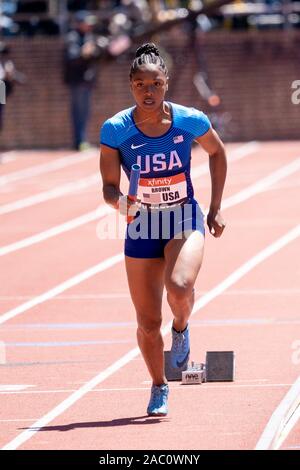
[(148, 54)]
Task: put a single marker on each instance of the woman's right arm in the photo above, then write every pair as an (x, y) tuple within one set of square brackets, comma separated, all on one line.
[(110, 169)]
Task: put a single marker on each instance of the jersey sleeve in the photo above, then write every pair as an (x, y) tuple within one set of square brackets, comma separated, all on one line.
[(199, 123), (107, 135)]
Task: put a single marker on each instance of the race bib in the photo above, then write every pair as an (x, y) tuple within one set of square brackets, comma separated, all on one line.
[(167, 190)]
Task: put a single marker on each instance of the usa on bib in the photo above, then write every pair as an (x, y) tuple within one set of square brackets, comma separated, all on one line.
[(166, 190)]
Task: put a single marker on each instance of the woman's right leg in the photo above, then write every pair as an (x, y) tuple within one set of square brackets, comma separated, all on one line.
[(146, 283)]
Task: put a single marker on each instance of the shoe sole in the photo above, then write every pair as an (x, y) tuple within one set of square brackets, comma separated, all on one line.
[(157, 414)]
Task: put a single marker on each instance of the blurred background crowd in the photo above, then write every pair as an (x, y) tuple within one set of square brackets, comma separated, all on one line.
[(235, 60), (52, 17)]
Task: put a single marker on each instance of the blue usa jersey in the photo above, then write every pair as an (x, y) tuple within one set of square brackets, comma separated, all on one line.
[(165, 160)]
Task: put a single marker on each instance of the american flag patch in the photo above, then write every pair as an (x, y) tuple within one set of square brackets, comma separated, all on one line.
[(178, 139), (152, 198)]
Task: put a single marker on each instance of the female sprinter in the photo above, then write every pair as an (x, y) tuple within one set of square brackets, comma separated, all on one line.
[(158, 135)]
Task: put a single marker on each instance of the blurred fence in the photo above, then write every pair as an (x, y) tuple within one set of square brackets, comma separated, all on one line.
[(251, 71)]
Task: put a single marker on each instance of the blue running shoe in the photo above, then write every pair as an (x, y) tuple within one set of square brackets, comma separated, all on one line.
[(180, 350), (158, 404)]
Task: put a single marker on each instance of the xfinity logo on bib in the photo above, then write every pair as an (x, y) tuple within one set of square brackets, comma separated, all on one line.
[(159, 181), (159, 162)]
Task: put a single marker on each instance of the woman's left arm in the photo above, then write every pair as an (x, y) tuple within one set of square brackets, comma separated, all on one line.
[(213, 145)]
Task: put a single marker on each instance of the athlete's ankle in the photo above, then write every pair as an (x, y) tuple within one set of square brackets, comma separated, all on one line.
[(159, 383), (180, 330)]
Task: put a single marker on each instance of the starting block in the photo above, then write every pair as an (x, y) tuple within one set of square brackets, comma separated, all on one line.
[(172, 373), (219, 367)]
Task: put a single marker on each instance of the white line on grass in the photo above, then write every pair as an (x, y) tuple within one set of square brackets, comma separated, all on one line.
[(124, 360)]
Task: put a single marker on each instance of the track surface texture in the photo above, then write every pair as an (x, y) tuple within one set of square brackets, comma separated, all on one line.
[(71, 374)]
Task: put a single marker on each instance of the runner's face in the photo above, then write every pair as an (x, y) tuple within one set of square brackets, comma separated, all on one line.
[(149, 85)]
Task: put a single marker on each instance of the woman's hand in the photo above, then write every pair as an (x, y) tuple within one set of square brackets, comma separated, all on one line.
[(215, 222), (128, 207)]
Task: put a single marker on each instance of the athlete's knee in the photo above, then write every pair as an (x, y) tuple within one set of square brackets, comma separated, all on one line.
[(149, 327), (179, 290)]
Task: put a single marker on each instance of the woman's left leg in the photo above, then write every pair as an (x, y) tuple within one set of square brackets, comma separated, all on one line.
[(183, 259)]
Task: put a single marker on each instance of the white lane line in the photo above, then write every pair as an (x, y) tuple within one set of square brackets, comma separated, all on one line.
[(69, 326), (282, 420), (124, 360), (2, 352), (94, 179), (51, 194), (247, 381), (6, 157), (47, 167), (102, 211), (74, 281), (239, 322), (262, 184), (241, 196), (121, 295), (204, 388), (126, 295), (14, 388), (59, 344), (235, 155), (231, 201), (248, 266), (15, 420), (255, 292)]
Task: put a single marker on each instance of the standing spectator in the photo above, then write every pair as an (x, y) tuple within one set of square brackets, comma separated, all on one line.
[(80, 71), (7, 75)]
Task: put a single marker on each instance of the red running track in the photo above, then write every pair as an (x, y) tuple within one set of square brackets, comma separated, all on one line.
[(50, 350)]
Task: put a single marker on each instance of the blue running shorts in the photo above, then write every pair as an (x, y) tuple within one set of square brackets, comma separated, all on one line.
[(150, 231)]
